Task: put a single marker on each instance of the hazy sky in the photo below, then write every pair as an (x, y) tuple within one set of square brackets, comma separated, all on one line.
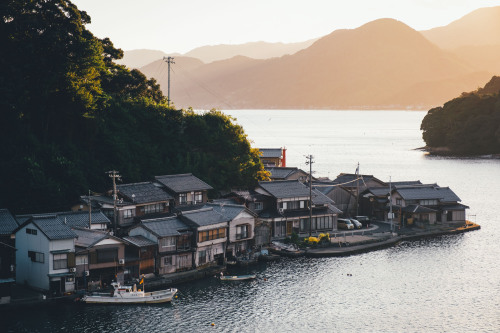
[(182, 25)]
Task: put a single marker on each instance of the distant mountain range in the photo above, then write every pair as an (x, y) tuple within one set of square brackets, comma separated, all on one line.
[(383, 64)]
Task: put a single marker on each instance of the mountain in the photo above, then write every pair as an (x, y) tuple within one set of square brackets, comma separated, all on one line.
[(382, 64), (139, 58), (255, 50), (474, 38)]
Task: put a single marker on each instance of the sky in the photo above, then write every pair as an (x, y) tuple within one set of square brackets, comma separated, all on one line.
[(178, 26)]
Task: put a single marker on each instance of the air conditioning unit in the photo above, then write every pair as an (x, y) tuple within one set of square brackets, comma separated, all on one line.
[(87, 273), (72, 270), (121, 261)]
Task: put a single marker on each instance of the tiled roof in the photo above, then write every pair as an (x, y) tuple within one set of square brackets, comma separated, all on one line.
[(53, 227), (417, 209), (407, 182), (350, 179), (228, 210), (281, 172), (334, 209), (319, 198), (379, 191), (324, 188), (183, 183), (7, 222), (139, 241), (447, 194), (81, 219), (203, 217), (141, 193), (167, 226), (285, 189), (271, 152), (427, 192), (87, 238)]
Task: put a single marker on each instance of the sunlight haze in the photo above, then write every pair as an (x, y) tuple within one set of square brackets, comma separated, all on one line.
[(180, 26)]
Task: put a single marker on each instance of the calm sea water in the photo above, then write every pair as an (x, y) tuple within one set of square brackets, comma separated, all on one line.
[(443, 284)]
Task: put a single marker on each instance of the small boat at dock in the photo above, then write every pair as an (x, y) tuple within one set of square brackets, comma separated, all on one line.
[(238, 277), (130, 295)]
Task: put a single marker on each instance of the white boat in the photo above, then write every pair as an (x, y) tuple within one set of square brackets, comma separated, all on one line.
[(130, 295), (238, 277)]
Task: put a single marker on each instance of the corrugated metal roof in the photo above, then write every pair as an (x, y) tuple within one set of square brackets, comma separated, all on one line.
[(282, 189), (183, 183), (141, 193), (7, 222)]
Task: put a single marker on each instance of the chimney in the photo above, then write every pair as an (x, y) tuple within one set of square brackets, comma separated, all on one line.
[(283, 159)]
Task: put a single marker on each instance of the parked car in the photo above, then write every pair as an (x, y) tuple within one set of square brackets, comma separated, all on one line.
[(365, 220), (357, 224), (345, 224)]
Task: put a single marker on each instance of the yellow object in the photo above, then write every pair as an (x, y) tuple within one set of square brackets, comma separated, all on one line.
[(213, 324), (142, 281)]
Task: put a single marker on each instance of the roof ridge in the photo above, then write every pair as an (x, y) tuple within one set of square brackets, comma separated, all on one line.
[(176, 175)]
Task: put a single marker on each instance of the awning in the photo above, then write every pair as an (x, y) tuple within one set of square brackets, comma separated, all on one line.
[(61, 274)]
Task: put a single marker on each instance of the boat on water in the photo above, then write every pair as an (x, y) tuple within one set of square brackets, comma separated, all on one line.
[(130, 295), (238, 277)]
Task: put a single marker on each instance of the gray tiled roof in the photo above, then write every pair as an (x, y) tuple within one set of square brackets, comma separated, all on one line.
[(447, 194), (203, 217), (141, 193), (379, 191), (7, 222), (183, 183), (81, 219), (427, 192), (271, 152), (285, 189), (407, 182), (319, 198), (324, 188), (281, 172), (53, 227), (87, 238), (139, 241), (228, 210), (350, 179), (166, 226)]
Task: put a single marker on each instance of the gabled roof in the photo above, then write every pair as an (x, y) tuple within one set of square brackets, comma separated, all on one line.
[(165, 226), (139, 241), (351, 180), (271, 152), (283, 172), (319, 198), (427, 192), (249, 196), (230, 211), (52, 226), (88, 238), (7, 222), (73, 219), (142, 193), (282, 189), (183, 183), (447, 194), (378, 191), (203, 217), (406, 182), (102, 200)]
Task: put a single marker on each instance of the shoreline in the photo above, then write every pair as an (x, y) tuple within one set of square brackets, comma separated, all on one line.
[(446, 152)]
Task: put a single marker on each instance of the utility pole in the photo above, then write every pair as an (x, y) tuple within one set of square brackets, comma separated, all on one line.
[(357, 190), (90, 212), (310, 162), (390, 204), (114, 174), (169, 60)]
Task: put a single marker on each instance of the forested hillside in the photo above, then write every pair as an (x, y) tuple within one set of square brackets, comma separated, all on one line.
[(467, 125), (69, 114)]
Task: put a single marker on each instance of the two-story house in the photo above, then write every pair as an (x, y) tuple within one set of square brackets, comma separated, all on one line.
[(241, 226), (273, 157), (287, 173), (173, 240), (288, 209), (45, 258), (186, 189)]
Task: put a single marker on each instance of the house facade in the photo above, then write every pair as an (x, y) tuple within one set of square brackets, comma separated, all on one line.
[(45, 258), (273, 157), (287, 173)]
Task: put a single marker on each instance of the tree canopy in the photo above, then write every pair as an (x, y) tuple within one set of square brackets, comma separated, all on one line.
[(69, 114), (467, 125)]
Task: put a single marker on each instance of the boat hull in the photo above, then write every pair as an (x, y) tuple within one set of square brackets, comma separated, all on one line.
[(162, 296), (237, 278)]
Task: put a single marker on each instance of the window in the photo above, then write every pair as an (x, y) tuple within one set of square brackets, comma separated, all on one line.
[(242, 231), (31, 231), (183, 198), (82, 260), (167, 261), (202, 257), (60, 261), (398, 202), (184, 242), (428, 202), (304, 225), (258, 206), (302, 204), (153, 208), (107, 255), (204, 236), (128, 213), (168, 243), (283, 205), (198, 197), (36, 256)]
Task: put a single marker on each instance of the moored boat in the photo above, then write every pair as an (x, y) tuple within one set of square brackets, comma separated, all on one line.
[(238, 277), (130, 295)]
